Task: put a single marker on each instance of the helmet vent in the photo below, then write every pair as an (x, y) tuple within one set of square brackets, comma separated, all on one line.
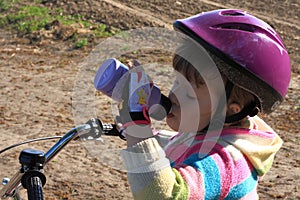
[(232, 13), (236, 26)]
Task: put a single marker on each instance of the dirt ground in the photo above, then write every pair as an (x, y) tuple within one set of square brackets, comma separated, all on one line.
[(38, 75)]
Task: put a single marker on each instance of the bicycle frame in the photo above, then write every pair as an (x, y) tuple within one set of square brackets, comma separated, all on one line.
[(11, 189)]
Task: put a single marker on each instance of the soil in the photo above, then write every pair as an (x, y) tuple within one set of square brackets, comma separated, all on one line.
[(39, 74)]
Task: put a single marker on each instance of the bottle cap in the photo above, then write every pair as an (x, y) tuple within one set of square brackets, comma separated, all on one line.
[(108, 74)]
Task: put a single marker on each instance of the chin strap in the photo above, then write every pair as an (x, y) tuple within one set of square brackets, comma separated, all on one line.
[(228, 89), (250, 109)]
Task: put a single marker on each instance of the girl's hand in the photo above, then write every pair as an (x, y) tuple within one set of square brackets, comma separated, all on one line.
[(134, 104)]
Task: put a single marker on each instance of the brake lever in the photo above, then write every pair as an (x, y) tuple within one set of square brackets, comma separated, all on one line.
[(98, 128)]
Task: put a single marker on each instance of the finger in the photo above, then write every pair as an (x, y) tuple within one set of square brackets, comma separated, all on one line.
[(129, 63), (136, 63)]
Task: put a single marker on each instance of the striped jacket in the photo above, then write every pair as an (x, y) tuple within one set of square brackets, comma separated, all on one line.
[(217, 165)]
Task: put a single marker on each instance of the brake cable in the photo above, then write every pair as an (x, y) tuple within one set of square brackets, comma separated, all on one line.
[(29, 141)]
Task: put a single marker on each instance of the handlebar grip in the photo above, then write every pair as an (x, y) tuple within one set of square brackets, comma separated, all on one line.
[(112, 130), (34, 181), (98, 128), (35, 188)]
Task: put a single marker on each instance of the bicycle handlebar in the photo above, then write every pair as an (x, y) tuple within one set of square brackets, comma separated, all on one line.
[(93, 127)]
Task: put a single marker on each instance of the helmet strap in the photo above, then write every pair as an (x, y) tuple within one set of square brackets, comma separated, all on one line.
[(250, 109), (228, 89)]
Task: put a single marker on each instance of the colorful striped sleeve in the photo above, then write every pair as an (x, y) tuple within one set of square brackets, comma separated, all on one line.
[(150, 175), (215, 176)]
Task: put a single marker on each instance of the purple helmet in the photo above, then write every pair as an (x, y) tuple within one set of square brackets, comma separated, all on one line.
[(257, 59)]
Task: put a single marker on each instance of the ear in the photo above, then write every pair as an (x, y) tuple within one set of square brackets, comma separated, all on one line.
[(233, 108)]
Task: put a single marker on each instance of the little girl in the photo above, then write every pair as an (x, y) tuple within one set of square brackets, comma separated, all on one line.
[(221, 147)]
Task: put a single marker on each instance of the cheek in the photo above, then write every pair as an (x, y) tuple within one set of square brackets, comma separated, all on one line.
[(205, 106), (200, 114), (190, 114), (189, 118), (205, 101)]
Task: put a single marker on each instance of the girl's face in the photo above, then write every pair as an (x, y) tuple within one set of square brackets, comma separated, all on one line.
[(191, 105)]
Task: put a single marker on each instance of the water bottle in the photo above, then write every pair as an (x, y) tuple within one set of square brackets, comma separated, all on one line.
[(112, 73)]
